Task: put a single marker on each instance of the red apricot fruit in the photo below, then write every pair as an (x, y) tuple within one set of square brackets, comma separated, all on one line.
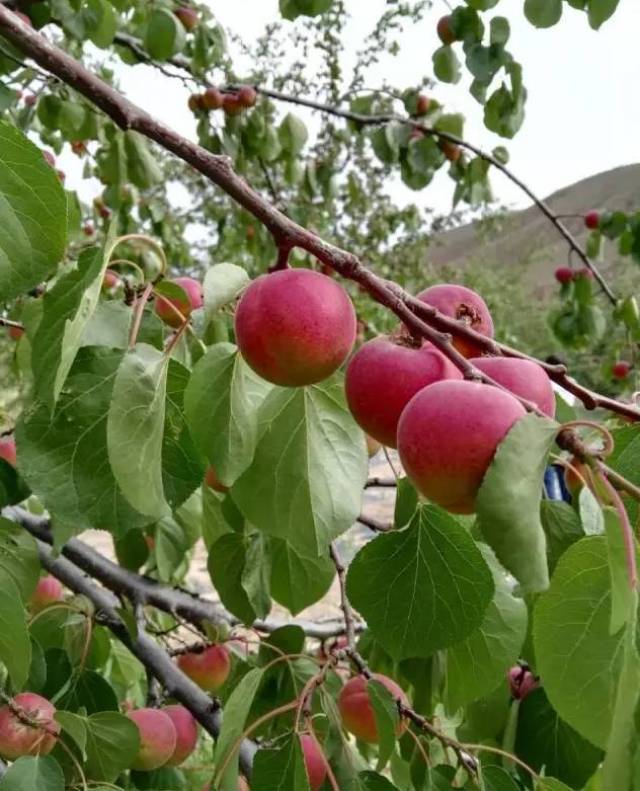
[(30, 99), (583, 272), (15, 333), (213, 482), (356, 710), (79, 147), (522, 682), (157, 738), (447, 438), (247, 96), (445, 32), (188, 16), (564, 274), (110, 280), (212, 99), (88, 229), (523, 378), (592, 219), (314, 761), (8, 450), (383, 376), (48, 591), (422, 104), (452, 151), (464, 305), (196, 102), (231, 104), (621, 369), (295, 327), (191, 301), (186, 733), (209, 669), (18, 737)]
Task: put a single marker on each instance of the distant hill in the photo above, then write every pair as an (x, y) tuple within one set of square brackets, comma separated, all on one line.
[(528, 240)]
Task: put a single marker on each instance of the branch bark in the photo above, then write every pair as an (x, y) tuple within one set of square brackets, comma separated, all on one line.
[(151, 655), (144, 590)]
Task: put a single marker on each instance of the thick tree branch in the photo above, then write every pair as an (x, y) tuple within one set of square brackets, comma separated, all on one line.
[(144, 590), (285, 232), (144, 648)]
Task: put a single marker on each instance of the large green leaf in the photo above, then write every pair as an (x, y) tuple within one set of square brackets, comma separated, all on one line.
[(239, 569), (221, 404), (164, 35), (135, 428), (543, 739), (477, 665), (291, 9), (33, 215), (305, 482), (578, 658), (35, 773), (385, 712), (281, 769), (298, 582), (421, 588), (508, 502), (293, 134), (66, 310), (236, 712), (64, 455), (15, 645), (562, 527), (113, 742), (446, 66)]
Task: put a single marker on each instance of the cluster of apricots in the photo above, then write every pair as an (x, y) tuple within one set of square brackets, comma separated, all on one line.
[(231, 102)]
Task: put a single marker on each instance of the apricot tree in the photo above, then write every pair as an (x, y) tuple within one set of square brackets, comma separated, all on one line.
[(177, 393)]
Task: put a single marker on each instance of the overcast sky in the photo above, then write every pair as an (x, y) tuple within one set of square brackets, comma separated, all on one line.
[(583, 115)]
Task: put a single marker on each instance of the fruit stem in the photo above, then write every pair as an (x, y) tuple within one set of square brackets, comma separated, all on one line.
[(625, 525), (139, 312)]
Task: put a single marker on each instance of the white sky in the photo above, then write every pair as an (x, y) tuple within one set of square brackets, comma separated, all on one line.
[(583, 115)]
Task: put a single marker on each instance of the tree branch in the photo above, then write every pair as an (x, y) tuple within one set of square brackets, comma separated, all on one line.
[(144, 648), (285, 232), (144, 590)]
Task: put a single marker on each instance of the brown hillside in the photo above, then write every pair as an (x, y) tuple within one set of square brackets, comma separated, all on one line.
[(527, 239)]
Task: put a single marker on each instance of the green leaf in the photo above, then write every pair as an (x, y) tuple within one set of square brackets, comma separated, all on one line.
[(298, 582), (446, 66), (578, 658), (293, 134), (19, 557), (65, 454), (236, 711), (500, 30), (291, 9), (33, 215), (600, 10), (305, 483), (504, 110), (282, 769), (623, 599), (221, 406), (135, 428), (113, 742), (89, 692), (239, 570), (508, 502), (100, 22), (477, 665), (421, 588), (13, 489), (75, 726), (182, 466), (41, 773), (15, 645), (406, 503), (562, 527), (164, 35), (617, 770), (385, 713), (66, 310), (144, 169), (543, 13), (223, 283), (544, 740), (370, 781), (550, 784), (171, 547)]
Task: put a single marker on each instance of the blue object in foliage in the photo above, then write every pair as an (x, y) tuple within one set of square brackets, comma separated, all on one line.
[(554, 485)]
